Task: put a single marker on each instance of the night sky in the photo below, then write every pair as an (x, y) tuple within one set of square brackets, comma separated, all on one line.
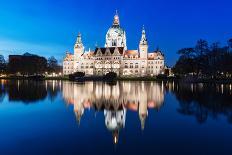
[(49, 28)]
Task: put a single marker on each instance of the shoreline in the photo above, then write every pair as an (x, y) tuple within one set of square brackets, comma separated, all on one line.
[(170, 79)]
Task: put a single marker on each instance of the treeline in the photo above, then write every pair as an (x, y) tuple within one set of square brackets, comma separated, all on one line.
[(29, 64), (205, 60)]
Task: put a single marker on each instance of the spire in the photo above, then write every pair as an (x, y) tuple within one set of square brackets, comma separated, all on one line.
[(116, 19), (79, 41), (143, 40)]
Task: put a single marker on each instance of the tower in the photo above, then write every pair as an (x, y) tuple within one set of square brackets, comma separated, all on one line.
[(143, 45), (78, 47), (116, 21), (116, 35)]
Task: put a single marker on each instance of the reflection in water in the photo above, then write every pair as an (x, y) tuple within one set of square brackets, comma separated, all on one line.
[(204, 100), (27, 91), (114, 100)]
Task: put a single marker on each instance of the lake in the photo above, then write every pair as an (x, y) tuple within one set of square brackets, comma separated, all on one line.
[(61, 117)]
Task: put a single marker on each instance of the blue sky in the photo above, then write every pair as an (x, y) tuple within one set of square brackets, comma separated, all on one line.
[(49, 28)]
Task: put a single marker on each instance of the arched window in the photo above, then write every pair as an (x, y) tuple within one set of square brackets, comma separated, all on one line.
[(114, 42)]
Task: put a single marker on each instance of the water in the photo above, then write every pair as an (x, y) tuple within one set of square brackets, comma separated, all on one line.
[(55, 117)]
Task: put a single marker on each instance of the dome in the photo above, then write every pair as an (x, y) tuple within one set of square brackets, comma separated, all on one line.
[(116, 36)]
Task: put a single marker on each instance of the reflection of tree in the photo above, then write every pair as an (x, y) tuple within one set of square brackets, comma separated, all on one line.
[(29, 91), (26, 91), (203, 101), (2, 93), (53, 89)]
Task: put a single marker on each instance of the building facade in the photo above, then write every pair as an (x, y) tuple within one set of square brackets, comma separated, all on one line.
[(115, 57)]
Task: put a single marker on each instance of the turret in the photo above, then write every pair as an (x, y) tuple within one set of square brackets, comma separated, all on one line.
[(78, 47), (116, 21), (143, 45)]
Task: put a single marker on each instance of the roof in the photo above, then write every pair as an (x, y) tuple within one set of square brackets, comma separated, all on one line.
[(155, 55), (68, 56), (131, 53), (112, 50), (88, 55)]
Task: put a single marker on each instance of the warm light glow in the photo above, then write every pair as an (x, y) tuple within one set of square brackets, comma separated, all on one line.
[(222, 88), (115, 140)]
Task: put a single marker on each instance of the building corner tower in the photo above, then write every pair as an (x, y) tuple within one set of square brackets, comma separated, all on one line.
[(78, 47), (143, 45)]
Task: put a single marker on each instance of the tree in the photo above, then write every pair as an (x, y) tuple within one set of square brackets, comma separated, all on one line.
[(2, 64), (201, 47), (230, 44), (186, 52), (204, 61), (52, 64)]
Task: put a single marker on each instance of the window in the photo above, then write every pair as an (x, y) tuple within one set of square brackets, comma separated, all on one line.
[(126, 65), (136, 65), (131, 65)]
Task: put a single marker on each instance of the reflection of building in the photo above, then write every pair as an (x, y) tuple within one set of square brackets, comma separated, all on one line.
[(114, 100), (114, 121), (115, 57)]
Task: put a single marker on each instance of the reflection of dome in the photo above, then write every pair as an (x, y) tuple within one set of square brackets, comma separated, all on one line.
[(115, 120)]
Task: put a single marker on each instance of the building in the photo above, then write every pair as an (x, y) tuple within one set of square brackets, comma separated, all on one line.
[(115, 57), (27, 64)]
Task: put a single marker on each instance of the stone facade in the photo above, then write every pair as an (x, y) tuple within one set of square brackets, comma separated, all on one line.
[(115, 57)]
